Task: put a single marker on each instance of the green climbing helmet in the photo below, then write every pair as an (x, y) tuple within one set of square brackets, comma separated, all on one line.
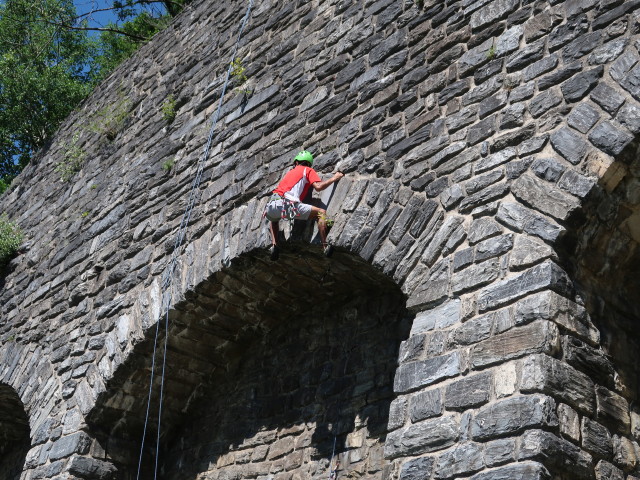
[(304, 156)]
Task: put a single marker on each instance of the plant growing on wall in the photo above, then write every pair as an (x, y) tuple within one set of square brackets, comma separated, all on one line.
[(168, 165), (110, 120), (239, 76), (168, 109), (11, 238), (72, 160)]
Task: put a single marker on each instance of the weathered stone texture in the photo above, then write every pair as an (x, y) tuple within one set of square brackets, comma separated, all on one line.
[(485, 143)]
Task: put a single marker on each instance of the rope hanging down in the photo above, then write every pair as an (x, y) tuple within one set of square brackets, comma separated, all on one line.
[(168, 275)]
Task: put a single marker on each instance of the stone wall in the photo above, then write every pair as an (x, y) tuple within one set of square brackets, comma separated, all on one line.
[(490, 200)]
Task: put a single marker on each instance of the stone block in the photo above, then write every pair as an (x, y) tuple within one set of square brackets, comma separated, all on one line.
[(477, 183), (472, 331), (538, 68), (512, 415), (569, 422), (425, 404), (496, 159), (544, 102), (607, 471), (625, 453), (528, 251), (426, 436), (547, 275), (494, 247), (483, 228), (481, 130), (417, 469), (483, 197), (397, 413), (559, 456), (441, 316), (468, 392), (589, 360), (567, 32), (483, 91), (454, 90), (463, 459), (569, 144), (607, 97), (475, 276), (492, 104), (474, 57), (608, 52), (544, 197), (583, 117), (505, 379), (66, 446), (541, 373), (411, 376), (613, 409), (435, 289), (523, 92), (512, 116), (537, 337), (498, 452), (596, 439), (436, 245), (525, 56), (576, 183), (516, 471), (548, 169), (412, 348), (551, 306), (578, 86), (610, 138), (87, 467), (629, 117), (541, 23), (388, 46)]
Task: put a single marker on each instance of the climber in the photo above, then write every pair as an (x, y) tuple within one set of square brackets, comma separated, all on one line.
[(285, 200)]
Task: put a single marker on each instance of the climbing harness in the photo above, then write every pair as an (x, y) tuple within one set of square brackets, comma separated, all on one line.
[(173, 263), (289, 207)]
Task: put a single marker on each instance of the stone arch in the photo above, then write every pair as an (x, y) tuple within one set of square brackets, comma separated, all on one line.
[(14, 433), (601, 251), (268, 363)]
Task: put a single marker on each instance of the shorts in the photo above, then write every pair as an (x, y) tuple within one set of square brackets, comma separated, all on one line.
[(273, 210)]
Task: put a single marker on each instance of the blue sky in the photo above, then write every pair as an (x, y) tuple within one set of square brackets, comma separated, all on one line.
[(101, 19)]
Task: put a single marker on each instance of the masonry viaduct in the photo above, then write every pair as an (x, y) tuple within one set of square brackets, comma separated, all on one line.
[(478, 320)]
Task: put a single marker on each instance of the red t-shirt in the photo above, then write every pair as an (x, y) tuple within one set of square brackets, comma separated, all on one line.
[(296, 182)]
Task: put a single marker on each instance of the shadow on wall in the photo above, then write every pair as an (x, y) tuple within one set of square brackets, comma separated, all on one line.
[(602, 255), (270, 365), (14, 434)]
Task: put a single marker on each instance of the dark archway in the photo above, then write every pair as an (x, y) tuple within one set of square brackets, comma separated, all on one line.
[(602, 254), (269, 364), (14, 434)]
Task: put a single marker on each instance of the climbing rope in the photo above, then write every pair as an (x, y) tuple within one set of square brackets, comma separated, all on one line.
[(168, 274)]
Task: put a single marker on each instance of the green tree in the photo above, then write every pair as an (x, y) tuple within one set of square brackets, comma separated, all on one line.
[(122, 40), (49, 63), (43, 76)]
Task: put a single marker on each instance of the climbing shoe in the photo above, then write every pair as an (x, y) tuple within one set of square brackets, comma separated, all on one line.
[(274, 252), (328, 250)]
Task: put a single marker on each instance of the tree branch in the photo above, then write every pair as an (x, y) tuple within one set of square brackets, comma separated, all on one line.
[(99, 29)]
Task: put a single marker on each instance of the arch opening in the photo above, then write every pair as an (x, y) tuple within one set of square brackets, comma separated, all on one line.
[(602, 254), (14, 434), (269, 364)]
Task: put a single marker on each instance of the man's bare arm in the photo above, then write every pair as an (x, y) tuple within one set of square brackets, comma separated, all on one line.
[(319, 186)]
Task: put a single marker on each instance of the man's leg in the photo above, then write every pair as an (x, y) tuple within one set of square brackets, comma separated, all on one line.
[(273, 228), (320, 214)]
